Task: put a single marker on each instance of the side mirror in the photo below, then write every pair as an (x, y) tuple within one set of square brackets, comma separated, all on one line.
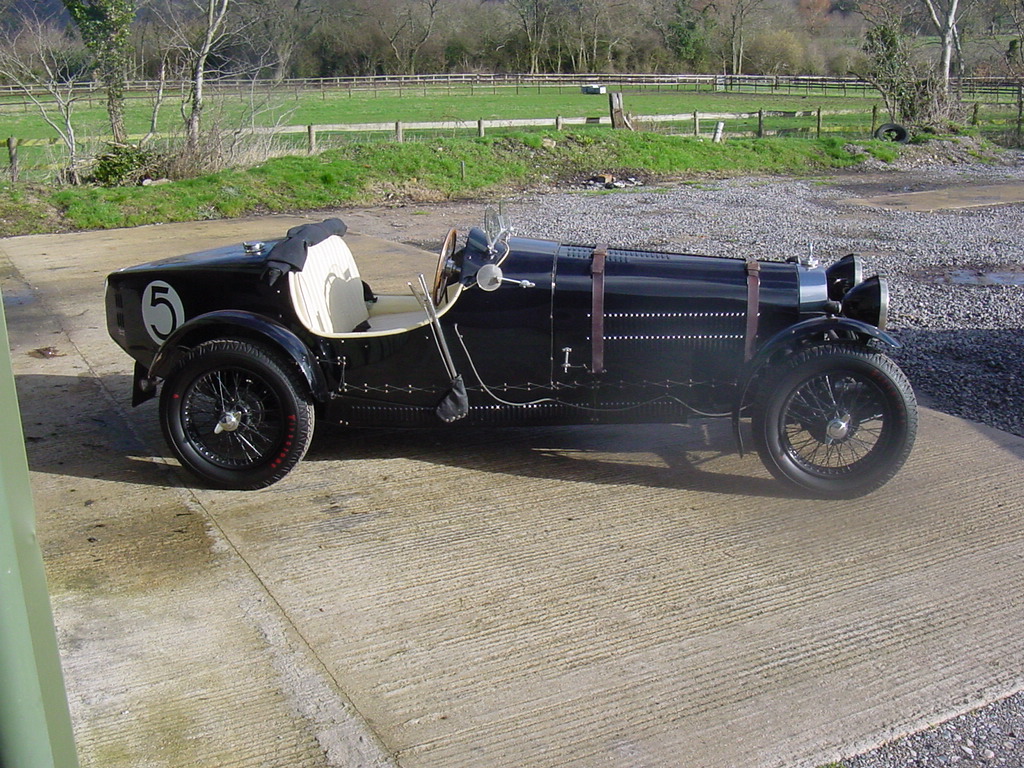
[(488, 277)]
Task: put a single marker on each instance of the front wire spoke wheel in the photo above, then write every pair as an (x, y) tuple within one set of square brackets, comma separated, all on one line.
[(833, 423), (837, 420)]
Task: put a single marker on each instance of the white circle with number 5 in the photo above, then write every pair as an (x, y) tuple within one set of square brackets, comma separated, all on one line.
[(162, 310)]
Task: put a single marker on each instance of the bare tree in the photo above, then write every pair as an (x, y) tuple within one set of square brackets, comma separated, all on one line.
[(735, 17), (535, 19), (405, 25), (214, 14), (39, 57), (284, 25), (195, 30), (945, 15), (589, 30)]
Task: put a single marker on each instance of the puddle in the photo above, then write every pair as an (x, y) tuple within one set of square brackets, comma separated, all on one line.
[(976, 277)]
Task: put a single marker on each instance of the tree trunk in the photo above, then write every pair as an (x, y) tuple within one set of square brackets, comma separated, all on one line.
[(115, 109), (216, 10), (945, 20), (192, 124)]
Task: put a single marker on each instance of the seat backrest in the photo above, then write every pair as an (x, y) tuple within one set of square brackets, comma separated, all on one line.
[(328, 292)]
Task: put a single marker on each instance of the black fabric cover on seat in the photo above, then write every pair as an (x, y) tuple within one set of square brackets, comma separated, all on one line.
[(290, 254)]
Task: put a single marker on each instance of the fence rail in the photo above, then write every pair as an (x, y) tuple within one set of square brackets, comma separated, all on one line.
[(968, 86), (552, 122)]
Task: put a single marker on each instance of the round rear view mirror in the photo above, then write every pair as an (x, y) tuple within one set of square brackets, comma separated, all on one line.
[(488, 277)]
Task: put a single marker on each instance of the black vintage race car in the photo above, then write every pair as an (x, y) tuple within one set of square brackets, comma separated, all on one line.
[(250, 344)]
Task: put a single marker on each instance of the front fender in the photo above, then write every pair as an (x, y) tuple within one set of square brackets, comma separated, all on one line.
[(793, 337), (239, 324), (797, 334)]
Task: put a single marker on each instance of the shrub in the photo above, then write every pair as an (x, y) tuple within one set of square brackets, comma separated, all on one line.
[(124, 165)]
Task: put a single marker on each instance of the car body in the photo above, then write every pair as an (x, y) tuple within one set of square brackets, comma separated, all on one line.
[(250, 344)]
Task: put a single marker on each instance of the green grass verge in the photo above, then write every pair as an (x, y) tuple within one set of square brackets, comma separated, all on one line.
[(419, 171), (24, 212)]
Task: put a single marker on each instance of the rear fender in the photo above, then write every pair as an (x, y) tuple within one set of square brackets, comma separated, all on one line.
[(229, 324), (795, 337)]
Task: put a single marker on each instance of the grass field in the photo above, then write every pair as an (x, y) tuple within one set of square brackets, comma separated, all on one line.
[(341, 106)]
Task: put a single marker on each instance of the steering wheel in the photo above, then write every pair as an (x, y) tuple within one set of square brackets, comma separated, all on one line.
[(447, 269)]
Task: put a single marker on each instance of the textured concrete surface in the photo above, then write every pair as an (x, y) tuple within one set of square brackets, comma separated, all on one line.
[(594, 596)]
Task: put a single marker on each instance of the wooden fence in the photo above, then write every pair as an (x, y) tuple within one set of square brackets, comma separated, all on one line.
[(696, 119), (698, 124), (691, 123), (988, 89)]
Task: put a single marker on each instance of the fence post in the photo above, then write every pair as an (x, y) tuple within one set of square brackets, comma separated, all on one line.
[(12, 153), (974, 114), (311, 133), (558, 122), (760, 123), (696, 123), (617, 110), (480, 128), (399, 132), (874, 118), (1020, 112), (819, 122)]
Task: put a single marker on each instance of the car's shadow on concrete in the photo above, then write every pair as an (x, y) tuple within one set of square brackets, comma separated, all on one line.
[(699, 457), (84, 426)]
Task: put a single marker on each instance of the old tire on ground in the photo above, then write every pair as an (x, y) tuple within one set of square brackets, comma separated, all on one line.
[(838, 421), (893, 132), (236, 414)]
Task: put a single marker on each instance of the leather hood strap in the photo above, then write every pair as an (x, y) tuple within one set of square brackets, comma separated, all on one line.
[(753, 307), (597, 266)]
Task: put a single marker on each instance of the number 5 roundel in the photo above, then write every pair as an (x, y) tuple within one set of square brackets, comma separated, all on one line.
[(162, 311)]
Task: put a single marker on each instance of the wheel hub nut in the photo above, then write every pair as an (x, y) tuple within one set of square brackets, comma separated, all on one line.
[(839, 427), (228, 422)]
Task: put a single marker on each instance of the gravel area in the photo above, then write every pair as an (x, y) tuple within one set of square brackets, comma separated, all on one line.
[(957, 305), (991, 736)]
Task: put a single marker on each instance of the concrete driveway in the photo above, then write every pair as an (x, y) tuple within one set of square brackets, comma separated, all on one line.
[(599, 596)]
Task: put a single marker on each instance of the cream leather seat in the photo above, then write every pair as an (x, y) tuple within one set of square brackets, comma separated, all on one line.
[(328, 292)]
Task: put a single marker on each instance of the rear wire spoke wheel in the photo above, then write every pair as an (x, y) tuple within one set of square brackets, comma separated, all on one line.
[(236, 415), (838, 421)]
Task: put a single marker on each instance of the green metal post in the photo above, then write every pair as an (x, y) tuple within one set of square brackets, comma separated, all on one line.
[(35, 725)]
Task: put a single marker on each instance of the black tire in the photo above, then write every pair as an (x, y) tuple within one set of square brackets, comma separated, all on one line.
[(838, 421), (892, 132), (260, 402)]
